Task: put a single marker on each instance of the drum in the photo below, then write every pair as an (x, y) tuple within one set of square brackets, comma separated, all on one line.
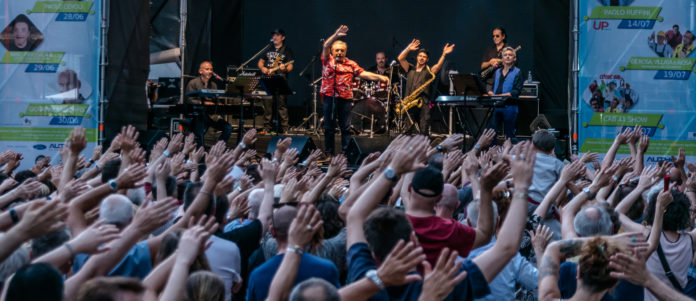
[(358, 86), (381, 90), (366, 111)]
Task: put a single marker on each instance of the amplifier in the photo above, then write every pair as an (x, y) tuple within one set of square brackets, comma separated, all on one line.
[(530, 90)]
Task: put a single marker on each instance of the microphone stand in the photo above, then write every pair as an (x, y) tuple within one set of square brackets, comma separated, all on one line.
[(253, 57)]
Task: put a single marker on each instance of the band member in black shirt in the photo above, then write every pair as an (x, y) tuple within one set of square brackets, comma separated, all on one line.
[(202, 121), (418, 75), (278, 57), (493, 55)]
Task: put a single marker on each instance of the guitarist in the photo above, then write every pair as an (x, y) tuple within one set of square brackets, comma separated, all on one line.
[(278, 60), (493, 55)]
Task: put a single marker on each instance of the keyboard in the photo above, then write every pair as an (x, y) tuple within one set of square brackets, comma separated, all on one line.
[(474, 101)]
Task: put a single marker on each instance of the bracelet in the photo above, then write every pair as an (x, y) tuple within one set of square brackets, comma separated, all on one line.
[(295, 249), (521, 195), (70, 248), (478, 147), (13, 216), (205, 192), (165, 153), (242, 145)]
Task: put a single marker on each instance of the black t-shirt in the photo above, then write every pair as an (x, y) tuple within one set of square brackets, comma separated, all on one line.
[(197, 84), (415, 79), (270, 56)]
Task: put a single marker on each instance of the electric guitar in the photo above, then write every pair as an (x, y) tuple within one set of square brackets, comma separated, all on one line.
[(276, 66)]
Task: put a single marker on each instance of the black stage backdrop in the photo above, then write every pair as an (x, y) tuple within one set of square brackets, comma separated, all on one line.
[(540, 27)]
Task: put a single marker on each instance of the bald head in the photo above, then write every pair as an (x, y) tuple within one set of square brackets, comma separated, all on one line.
[(282, 219), (116, 209), (254, 201), (591, 221), (450, 197)]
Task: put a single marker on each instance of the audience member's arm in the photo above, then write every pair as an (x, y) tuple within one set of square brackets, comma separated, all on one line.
[(193, 241), (493, 260), (216, 171), (269, 170), (570, 172), (77, 142), (540, 239), (679, 163), (484, 224), (663, 200), (647, 179), (632, 269), (90, 241), (27, 190), (403, 161), (302, 229), (148, 218), (572, 208), (369, 165), (439, 282), (85, 202), (332, 173), (640, 154), (41, 217), (621, 138)]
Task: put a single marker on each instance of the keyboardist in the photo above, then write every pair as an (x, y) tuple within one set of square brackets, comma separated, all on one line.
[(201, 123), (508, 82)]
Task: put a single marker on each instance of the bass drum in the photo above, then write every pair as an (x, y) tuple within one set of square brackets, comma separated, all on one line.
[(368, 110)]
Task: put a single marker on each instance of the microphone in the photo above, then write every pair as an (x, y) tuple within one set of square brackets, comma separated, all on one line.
[(217, 77), (271, 40), (392, 63)]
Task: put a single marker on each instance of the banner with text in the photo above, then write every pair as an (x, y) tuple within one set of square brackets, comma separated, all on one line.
[(637, 61), (49, 75)]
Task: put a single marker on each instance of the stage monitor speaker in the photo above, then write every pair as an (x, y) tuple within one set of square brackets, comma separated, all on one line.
[(359, 147), (528, 111), (303, 144)]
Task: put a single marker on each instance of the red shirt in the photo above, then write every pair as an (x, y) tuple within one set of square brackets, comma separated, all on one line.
[(345, 72), (435, 233)]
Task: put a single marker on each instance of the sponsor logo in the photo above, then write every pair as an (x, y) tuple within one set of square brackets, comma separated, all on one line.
[(55, 146), (655, 159), (600, 25), (39, 147)]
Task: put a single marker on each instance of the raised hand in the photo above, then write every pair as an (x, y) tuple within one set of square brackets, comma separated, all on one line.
[(162, 170), (493, 175), (42, 217), (439, 282), (486, 138), (225, 186), (131, 176), (648, 177), (630, 268), (238, 207), (7, 184), (452, 142), (408, 157), (176, 144), (283, 145), (249, 137), (129, 137), (77, 141), (115, 144), (572, 171), (72, 189), (604, 177), (158, 149), (219, 168), (589, 157), (635, 135), (28, 189), (522, 165), (644, 143), (402, 259), (302, 229), (622, 137), (414, 45), (342, 31), (290, 157), (6, 156), (335, 167), (189, 143), (268, 171), (197, 155), (448, 49), (151, 216), (95, 239), (177, 164), (680, 160), (191, 243), (96, 154), (540, 239)]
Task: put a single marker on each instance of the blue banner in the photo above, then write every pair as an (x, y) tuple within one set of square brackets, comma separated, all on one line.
[(636, 61), (49, 75)]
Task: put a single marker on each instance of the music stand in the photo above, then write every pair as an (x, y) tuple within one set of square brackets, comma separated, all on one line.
[(469, 85), (275, 85), (243, 83)]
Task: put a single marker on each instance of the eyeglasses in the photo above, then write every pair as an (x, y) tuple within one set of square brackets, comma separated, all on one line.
[(496, 36)]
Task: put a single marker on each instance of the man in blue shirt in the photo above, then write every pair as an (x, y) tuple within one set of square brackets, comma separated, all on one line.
[(508, 82), (311, 266)]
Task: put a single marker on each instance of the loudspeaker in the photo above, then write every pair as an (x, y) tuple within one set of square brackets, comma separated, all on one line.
[(528, 111), (303, 144), (359, 147)]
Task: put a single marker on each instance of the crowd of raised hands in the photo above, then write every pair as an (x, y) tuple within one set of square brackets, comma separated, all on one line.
[(420, 220)]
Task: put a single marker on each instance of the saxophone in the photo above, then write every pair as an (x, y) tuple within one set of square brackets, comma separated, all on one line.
[(413, 100)]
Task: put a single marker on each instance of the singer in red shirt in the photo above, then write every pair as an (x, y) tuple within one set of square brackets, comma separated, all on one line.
[(337, 74)]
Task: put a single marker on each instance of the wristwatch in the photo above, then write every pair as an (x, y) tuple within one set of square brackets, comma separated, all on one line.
[(477, 146), (440, 148), (589, 195), (372, 275), (390, 174), (113, 185)]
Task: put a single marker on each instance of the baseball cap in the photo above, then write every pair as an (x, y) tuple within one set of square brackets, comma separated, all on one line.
[(430, 179), (279, 31)]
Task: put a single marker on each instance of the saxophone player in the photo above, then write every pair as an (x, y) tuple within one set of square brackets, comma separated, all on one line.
[(337, 74), (419, 75)]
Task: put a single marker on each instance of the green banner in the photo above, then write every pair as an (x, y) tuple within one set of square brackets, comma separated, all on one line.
[(61, 7), (625, 12), (657, 147), (659, 63), (35, 109), (624, 119), (27, 57), (41, 134)]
